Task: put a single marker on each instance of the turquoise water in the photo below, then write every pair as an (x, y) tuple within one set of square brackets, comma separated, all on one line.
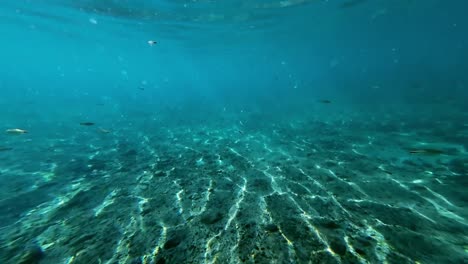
[(262, 131)]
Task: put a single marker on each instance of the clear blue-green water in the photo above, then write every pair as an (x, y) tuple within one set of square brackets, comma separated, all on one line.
[(260, 131)]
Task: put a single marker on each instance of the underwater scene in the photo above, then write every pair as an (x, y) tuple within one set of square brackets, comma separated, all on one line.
[(233, 131)]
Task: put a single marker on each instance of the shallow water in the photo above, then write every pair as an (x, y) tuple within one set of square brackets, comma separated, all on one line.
[(295, 131)]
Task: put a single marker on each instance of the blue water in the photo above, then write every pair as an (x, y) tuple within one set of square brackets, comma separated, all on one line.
[(262, 131)]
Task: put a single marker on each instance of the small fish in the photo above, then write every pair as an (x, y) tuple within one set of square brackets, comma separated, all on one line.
[(325, 101), (240, 132), (141, 88), (241, 123), (104, 131), (16, 131), (5, 149), (388, 172), (427, 151), (152, 42), (87, 123)]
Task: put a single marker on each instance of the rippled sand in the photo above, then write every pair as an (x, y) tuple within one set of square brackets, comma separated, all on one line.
[(256, 191)]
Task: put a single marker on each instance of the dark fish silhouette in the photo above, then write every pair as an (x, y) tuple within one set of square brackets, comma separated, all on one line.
[(426, 151), (325, 101), (87, 123), (5, 149)]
